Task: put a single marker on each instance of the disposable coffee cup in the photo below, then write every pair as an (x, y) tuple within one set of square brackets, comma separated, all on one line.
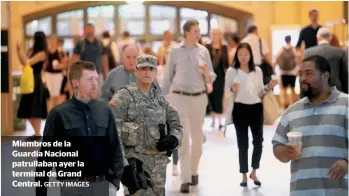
[(55, 63), (236, 81), (295, 140), (275, 78)]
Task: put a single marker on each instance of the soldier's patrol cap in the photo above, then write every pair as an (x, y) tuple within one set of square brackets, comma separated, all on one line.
[(147, 61)]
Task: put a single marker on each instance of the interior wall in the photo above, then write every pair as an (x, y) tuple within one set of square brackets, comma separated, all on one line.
[(4, 14), (6, 98), (265, 14)]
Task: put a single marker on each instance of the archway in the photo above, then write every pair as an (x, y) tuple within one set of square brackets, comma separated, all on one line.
[(146, 24)]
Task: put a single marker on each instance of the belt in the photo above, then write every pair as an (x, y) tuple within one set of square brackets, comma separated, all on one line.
[(153, 151), (92, 178), (189, 94)]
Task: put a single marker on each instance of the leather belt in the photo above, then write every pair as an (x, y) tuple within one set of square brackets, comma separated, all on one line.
[(93, 178), (153, 151), (189, 94)]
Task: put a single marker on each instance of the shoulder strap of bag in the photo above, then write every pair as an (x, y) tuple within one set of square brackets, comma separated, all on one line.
[(100, 46), (82, 46), (260, 48), (134, 100), (129, 92)]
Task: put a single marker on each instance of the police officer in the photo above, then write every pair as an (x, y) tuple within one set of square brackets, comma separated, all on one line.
[(149, 129)]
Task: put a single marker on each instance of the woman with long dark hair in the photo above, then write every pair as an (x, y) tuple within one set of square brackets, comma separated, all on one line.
[(33, 106), (246, 81)]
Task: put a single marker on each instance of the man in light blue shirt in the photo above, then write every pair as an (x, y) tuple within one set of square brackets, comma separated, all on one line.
[(189, 74), (121, 75)]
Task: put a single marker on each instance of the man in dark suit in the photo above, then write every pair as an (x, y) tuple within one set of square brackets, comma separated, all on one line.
[(89, 127), (336, 56)]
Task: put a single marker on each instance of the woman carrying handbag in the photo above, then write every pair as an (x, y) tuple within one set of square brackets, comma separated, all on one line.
[(247, 85), (32, 105)]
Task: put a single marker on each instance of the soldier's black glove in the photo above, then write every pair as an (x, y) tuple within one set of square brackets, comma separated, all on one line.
[(169, 142), (128, 176)]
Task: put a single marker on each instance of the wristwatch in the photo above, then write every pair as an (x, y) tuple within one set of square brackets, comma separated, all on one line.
[(345, 159)]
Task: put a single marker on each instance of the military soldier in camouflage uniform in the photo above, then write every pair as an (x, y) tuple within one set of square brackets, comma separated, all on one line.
[(139, 109)]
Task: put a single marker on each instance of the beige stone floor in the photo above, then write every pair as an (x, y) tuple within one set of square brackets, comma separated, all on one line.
[(219, 168)]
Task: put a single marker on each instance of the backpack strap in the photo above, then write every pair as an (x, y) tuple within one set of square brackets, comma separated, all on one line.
[(100, 45), (261, 48), (82, 44)]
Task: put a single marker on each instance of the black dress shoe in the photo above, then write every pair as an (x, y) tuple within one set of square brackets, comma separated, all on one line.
[(185, 188), (258, 183), (243, 184), (194, 180)]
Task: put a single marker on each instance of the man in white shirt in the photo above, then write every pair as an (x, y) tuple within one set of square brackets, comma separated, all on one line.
[(255, 41)]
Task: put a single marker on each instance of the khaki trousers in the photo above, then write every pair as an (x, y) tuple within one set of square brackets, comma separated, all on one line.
[(191, 111)]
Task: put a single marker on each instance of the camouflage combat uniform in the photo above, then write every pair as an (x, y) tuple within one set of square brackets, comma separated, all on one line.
[(137, 119)]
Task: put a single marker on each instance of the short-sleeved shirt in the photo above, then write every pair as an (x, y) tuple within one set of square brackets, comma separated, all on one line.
[(308, 35), (117, 78), (91, 51), (325, 141), (251, 85), (253, 41)]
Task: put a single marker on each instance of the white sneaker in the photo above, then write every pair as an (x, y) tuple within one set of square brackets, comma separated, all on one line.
[(175, 170)]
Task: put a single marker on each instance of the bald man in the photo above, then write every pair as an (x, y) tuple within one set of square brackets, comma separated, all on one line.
[(121, 75)]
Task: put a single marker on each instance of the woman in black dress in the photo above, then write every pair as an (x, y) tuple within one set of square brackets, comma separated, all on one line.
[(33, 106), (66, 91), (219, 57)]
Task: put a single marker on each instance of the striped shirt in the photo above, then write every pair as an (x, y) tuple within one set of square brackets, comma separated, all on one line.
[(325, 140)]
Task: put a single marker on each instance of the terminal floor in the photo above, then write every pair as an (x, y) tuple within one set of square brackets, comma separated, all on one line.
[(219, 168)]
